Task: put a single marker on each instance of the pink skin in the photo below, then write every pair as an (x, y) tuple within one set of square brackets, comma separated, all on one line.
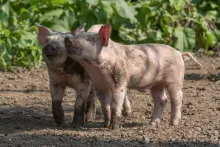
[(114, 67), (59, 79)]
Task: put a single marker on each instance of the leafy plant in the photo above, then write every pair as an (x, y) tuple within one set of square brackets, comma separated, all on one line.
[(183, 24)]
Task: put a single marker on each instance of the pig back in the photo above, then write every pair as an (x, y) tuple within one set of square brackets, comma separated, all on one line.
[(149, 64)]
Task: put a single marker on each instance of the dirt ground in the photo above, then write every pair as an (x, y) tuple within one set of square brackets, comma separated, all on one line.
[(26, 119)]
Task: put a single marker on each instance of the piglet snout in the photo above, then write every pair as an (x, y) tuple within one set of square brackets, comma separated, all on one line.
[(50, 51), (72, 45), (69, 45)]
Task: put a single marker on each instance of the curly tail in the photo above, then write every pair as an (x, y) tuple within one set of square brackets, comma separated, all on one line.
[(191, 57)]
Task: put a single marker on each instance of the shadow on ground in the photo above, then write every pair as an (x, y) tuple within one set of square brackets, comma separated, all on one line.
[(78, 141), (197, 76)]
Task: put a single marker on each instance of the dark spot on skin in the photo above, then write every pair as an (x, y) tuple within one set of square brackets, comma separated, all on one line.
[(133, 81), (57, 111), (105, 66), (129, 53), (118, 74), (73, 67), (87, 61), (122, 90), (163, 102), (98, 62)]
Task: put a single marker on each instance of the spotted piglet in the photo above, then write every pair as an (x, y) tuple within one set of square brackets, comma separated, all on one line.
[(65, 72), (114, 68)]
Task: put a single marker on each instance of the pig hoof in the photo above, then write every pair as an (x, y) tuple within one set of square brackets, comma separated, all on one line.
[(107, 125), (155, 123), (174, 122), (58, 113), (115, 122), (90, 117), (126, 113), (77, 126), (90, 113), (115, 126), (59, 122)]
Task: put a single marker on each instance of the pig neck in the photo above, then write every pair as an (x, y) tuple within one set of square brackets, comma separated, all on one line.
[(110, 53), (100, 70)]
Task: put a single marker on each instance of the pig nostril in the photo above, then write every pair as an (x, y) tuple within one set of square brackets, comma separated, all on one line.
[(53, 49), (51, 52)]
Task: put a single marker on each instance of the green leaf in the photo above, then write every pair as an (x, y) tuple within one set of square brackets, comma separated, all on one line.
[(51, 14), (179, 4), (106, 6), (210, 38), (57, 2), (217, 34), (92, 2), (141, 16), (59, 27), (5, 7), (125, 11), (185, 38)]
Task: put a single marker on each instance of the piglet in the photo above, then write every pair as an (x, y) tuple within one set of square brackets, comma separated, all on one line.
[(114, 68), (66, 72)]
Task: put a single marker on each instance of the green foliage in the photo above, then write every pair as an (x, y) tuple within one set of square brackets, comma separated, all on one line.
[(183, 24)]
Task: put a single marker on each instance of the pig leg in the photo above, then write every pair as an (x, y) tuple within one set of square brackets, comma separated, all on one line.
[(80, 106), (105, 99), (117, 104), (176, 96), (126, 106), (160, 99), (57, 98), (91, 107)]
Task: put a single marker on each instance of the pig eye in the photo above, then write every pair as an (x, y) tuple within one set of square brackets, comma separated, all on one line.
[(90, 40)]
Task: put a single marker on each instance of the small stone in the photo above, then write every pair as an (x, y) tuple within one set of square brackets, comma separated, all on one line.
[(198, 129), (216, 132), (10, 86), (184, 117), (145, 140)]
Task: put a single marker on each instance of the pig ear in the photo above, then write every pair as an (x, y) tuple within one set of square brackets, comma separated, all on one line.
[(105, 33), (67, 42), (78, 30), (43, 32)]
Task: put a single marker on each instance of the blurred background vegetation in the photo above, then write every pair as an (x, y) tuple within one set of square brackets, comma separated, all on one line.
[(191, 25)]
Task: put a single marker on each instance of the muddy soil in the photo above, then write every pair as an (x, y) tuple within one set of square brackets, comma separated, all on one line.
[(26, 119)]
